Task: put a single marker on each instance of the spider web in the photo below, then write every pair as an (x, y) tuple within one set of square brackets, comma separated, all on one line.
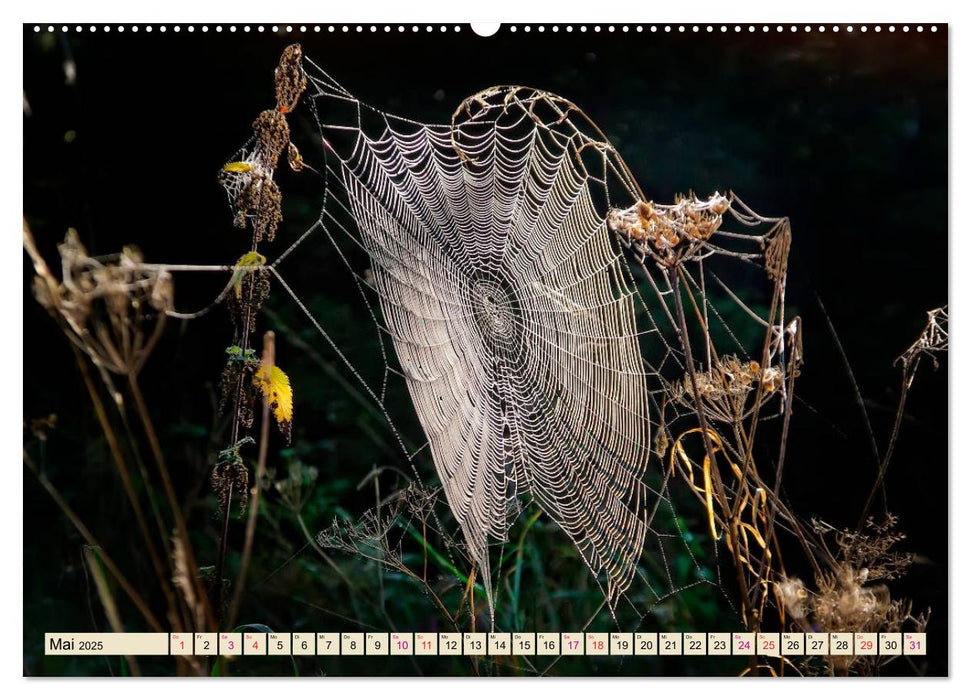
[(544, 362)]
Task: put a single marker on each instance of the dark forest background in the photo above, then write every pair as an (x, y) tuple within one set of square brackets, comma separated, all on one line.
[(847, 134)]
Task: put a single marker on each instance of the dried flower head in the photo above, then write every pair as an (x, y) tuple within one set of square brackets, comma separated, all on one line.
[(230, 477), (932, 341), (113, 308), (793, 597), (290, 79), (269, 211), (725, 389), (849, 598), (248, 296), (273, 135), (669, 233), (237, 379)]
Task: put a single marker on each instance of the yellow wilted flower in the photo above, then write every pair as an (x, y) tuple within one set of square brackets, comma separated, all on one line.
[(250, 259), (274, 384)]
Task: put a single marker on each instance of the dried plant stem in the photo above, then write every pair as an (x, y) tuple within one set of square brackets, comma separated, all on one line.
[(269, 360), (856, 387), (234, 437), (747, 463), (765, 563), (878, 483), (181, 530), (128, 485), (221, 558), (109, 563), (731, 525), (108, 601)]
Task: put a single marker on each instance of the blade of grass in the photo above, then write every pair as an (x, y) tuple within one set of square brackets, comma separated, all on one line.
[(108, 601)]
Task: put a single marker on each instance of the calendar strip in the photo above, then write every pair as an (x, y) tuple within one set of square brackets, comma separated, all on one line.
[(491, 644)]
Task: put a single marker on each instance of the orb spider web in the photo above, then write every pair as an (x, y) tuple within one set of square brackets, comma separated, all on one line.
[(541, 312)]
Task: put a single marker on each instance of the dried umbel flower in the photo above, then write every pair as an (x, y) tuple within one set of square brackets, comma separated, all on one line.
[(113, 308), (846, 598), (417, 500), (932, 341), (725, 389), (844, 604), (871, 550), (669, 233), (290, 79)]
